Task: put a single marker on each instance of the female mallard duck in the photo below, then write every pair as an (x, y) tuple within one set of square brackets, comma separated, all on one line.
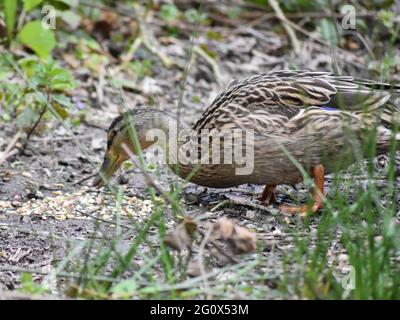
[(298, 119)]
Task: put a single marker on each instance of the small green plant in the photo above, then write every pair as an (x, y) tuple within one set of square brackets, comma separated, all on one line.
[(171, 15), (141, 68), (44, 91), (327, 31), (41, 41), (28, 285), (48, 84), (169, 12)]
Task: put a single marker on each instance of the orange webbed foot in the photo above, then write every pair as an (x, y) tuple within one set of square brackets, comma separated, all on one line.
[(317, 173), (288, 209)]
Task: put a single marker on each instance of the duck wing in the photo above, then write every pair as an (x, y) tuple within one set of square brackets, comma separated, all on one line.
[(276, 97)]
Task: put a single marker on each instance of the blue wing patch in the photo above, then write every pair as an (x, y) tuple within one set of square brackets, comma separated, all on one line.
[(329, 109)]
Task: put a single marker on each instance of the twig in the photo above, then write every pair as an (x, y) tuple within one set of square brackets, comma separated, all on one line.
[(190, 283), (335, 64), (12, 295), (47, 139), (59, 274), (151, 43), (188, 62), (84, 179), (123, 12), (8, 152), (197, 49), (94, 125), (8, 155), (292, 35), (203, 273), (245, 202), (219, 249), (126, 58), (302, 15), (44, 234), (32, 130), (349, 56)]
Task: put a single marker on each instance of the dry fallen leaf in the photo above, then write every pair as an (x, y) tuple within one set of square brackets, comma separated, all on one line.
[(193, 269), (27, 174), (240, 239), (223, 228), (181, 237)]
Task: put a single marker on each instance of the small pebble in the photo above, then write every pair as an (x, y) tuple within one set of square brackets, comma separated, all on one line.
[(26, 219), (277, 232), (123, 179), (250, 214), (16, 204)]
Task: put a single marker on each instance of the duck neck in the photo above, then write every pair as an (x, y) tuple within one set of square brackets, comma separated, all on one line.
[(172, 137)]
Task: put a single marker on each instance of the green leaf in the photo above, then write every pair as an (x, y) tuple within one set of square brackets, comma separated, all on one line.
[(28, 64), (10, 10), (61, 79), (125, 287), (169, 12), (214, 35), (387, 18), (61, 111), (6, 117), (61, 5), (40, 40), (95, 61), (234, 12), (29, 285), (63, 101), (194, 16), (327, 31), (71, 3), (52, 76), (30, 4), (27, 117), (259, 2), (71, 18)]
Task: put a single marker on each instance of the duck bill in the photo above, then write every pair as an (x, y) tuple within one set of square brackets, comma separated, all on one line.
[(109, 166)]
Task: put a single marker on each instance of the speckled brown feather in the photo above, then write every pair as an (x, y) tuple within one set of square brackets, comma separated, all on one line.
[(315, 117), (287, 93)]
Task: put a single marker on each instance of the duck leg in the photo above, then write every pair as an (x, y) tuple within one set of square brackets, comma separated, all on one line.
[(317, 173), (268, 196)]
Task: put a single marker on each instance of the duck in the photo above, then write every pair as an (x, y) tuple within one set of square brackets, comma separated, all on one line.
[(290, 124)]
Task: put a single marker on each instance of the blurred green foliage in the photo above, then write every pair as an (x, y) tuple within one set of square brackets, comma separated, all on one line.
[(28, 285), (316, 5), (46, 84)]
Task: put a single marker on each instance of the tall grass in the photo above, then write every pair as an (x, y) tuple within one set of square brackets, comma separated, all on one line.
[(363, 225)]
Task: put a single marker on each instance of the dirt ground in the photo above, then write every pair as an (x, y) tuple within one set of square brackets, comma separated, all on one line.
[(41, 204)]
